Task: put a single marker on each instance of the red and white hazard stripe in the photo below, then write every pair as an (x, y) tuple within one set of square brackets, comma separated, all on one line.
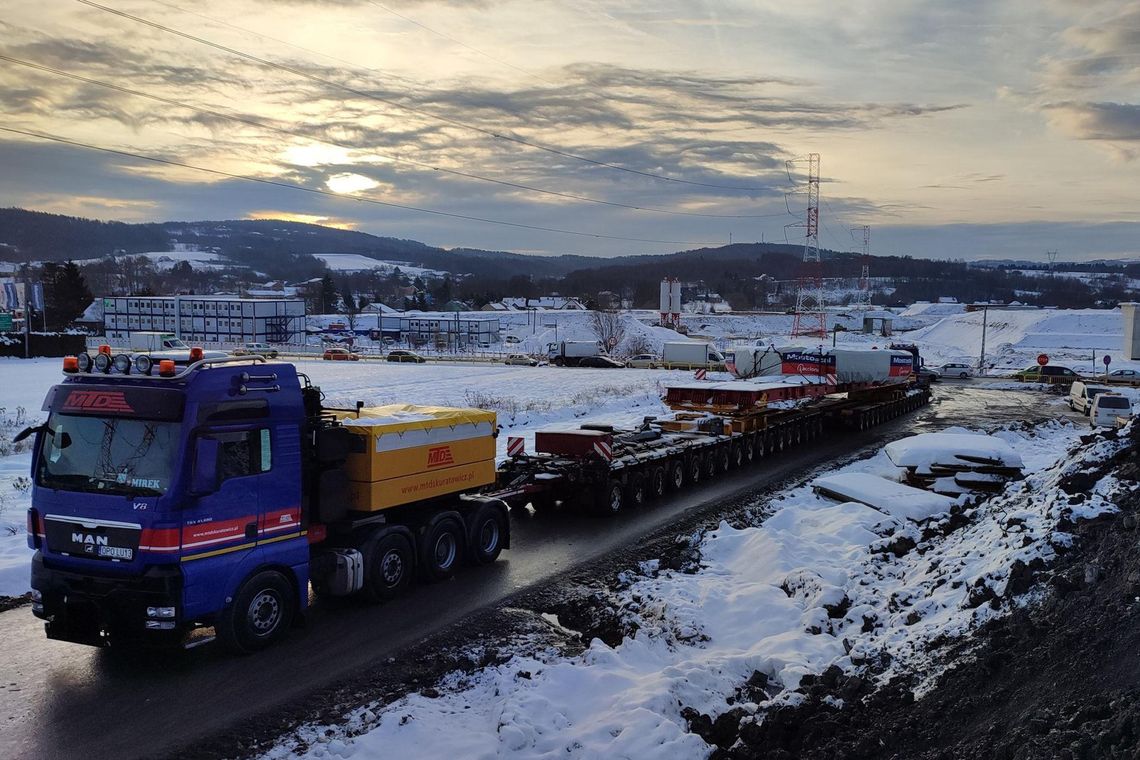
[(602, 448), (700, 374), (516, 446)]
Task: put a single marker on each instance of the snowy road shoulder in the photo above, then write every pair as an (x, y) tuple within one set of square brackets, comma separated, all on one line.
[(818, 584)]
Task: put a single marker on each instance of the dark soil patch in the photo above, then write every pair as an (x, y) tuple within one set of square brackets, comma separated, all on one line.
[(1060, 679)]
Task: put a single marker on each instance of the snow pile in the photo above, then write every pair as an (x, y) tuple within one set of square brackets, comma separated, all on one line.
[(817, 584), (887, 496), (922, 452)]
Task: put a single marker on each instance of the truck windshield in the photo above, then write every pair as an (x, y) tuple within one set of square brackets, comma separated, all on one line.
[(107, 455), (174, 343)]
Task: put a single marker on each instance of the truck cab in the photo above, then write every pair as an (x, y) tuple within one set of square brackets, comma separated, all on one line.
[(155, 498)]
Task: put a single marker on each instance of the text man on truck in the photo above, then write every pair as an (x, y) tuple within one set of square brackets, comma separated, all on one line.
[(167, 499)]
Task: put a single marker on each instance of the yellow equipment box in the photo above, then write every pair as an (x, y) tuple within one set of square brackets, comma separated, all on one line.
[(405, 452)]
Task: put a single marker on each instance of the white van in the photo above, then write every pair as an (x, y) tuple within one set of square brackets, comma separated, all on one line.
[(1081, 395), (1107, 407)]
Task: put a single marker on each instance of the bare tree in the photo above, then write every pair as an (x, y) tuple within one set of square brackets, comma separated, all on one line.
[(608, 327)]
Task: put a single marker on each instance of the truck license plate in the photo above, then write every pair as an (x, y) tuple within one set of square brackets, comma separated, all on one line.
[(116, 552)]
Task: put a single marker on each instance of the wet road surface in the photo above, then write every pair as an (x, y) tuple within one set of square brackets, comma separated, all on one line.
[(61, 700)]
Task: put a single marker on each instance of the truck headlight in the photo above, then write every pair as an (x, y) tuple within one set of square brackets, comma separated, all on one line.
[(160, 612)]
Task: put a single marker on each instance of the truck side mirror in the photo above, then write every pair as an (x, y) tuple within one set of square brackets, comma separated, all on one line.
[(204, 478)]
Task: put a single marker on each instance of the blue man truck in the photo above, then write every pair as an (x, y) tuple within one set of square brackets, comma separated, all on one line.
[(169, 498)]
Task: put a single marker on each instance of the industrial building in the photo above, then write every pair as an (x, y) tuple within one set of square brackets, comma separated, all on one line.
[(206, 319), (441, 330)]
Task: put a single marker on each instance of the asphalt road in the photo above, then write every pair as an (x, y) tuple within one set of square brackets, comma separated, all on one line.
[(61, 700)]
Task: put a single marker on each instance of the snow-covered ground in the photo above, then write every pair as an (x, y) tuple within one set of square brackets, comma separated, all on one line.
[(355, 262), (815, 584), (164, 260), (525, 399)]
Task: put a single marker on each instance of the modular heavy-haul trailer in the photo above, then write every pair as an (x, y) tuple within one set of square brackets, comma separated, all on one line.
[(170, 499), (715, 427)]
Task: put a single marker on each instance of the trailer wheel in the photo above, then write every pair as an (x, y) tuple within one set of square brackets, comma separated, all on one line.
[(722, 460), (260, 615), (635, 492), (712, 464), (610, 498), (388, 565), (736, 455), (441, 549), (485, 533), (696, 467), (657, 482), (676, 476)]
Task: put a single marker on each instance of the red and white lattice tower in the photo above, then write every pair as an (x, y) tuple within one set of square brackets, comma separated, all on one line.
[(810, 319), (863, 298)]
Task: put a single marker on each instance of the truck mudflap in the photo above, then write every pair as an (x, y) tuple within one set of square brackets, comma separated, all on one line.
[(96, 611)]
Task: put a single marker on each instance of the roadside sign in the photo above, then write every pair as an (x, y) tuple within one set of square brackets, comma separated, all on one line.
[(611, 342), (1107, 360), (5, 322), (1043, 359)]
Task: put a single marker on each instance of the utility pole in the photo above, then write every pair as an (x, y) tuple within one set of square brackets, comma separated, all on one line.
[(810, 318), (982, 358)]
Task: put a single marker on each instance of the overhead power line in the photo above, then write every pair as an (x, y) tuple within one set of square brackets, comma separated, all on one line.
[(329, 193), (257, 123), (410, 109)]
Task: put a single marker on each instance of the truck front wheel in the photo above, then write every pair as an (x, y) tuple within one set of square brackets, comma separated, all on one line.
[(388, 565), (260, 615)]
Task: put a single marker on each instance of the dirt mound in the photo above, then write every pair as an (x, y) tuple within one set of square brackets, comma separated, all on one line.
[(1058, 678)]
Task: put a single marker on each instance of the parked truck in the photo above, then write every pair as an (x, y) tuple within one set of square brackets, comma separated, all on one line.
[(691, 355), (569, 353), (168, 500), (163, 345)]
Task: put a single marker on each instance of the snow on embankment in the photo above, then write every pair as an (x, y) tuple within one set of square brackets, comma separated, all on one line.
[(818, 584), (1014, 338)]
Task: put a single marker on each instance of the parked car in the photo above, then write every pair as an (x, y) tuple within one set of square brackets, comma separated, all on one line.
[(600, 362), (521, 360), (340, 354), (929, 374), (402, 355), (1107, 408), (512, 339), (1082, 394), (1123, 377), (1050, 373), (261, 349), (956, 369), (644, 361)]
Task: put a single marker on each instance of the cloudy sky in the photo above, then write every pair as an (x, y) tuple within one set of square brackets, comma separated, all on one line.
[(962, 129)]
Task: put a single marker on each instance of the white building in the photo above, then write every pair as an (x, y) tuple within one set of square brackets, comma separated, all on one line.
[(206, 319)]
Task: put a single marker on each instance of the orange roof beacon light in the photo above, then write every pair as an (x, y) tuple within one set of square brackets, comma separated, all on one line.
[(196, 354), (105, 349), (166, 367), (71, 364)]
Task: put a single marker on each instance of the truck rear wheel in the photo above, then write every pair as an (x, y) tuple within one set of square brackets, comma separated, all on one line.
[(260, 615), (635, 492), (485, 535), (696, 468), (610, 498), (388, 565), (676, 476), (441, 548), (657, 482)]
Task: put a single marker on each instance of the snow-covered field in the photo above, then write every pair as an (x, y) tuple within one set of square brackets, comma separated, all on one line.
[(165, 260), (525, 399), (355, 262), (815, 584)]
